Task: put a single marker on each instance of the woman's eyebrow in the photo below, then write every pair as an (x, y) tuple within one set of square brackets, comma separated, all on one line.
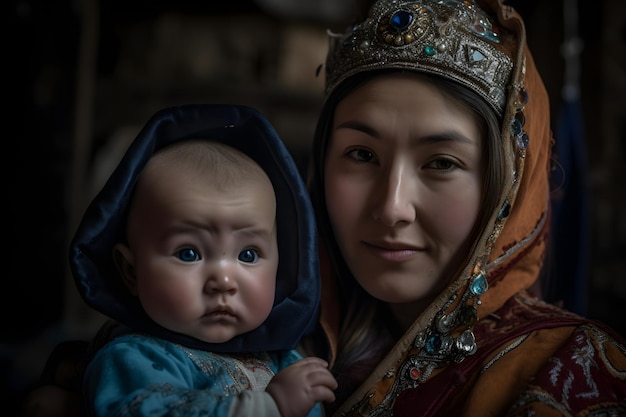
[(360, 126), (446, 136)]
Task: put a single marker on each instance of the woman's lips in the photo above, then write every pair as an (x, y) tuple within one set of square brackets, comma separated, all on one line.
[(393, 252)]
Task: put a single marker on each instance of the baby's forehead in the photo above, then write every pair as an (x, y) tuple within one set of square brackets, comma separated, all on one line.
[(207, 157), (203, 150), (199, 169), (177, 175)]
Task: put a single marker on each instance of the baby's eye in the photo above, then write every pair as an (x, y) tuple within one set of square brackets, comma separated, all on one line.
[(362, 155), (249, 256), (188, 255)]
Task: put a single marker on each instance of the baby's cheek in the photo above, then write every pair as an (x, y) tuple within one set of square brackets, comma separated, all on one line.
[(167, 304), (260, 301)]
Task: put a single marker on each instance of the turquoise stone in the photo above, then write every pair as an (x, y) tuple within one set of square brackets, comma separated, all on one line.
[(479, 285), (433, 344), (492, 36), (476, 55), (400, 20), (430, 51)]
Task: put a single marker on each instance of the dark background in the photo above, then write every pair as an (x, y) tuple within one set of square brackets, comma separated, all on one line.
[(83, 76)]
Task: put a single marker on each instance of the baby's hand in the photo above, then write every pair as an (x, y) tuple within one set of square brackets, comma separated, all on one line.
[(298, 387)]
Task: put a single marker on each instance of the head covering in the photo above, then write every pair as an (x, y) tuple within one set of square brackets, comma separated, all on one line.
[(453, 39), (103, 225), (481, 45)]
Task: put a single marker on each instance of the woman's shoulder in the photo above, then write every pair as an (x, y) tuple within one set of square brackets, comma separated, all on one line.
[(587, 372), (604, 340), (552, 359), (524, 313)]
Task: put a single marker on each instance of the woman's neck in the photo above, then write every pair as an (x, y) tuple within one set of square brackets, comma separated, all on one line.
[(406, 313)]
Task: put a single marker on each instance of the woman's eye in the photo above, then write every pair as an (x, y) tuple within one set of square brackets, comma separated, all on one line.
[(249, 256), (188, 255), (442, 164), (361, 155)]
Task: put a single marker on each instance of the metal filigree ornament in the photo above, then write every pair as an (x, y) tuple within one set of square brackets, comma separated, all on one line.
[(453, 39), (449, 338)]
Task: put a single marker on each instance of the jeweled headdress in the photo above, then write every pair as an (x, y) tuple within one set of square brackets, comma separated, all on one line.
[(454, 39)]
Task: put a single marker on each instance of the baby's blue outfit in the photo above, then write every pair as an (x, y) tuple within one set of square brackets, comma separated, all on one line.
[(191, 382)]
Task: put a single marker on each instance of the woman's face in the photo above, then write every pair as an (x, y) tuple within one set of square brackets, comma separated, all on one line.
[(403, 185)]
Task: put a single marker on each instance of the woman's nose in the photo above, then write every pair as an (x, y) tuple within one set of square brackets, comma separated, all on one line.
[(395, 197), (221, 278)]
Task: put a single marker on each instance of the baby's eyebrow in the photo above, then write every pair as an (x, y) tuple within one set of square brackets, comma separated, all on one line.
[(258, 232)]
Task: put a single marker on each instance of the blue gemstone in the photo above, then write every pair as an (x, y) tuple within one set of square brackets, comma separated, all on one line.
[(504, 211), (476, 56), (401, 20), (479, 284), (520, 116), (516, 126), (522, 140), (433, 344), (492, 36)]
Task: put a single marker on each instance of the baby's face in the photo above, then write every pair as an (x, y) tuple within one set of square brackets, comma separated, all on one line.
[(205, 258)]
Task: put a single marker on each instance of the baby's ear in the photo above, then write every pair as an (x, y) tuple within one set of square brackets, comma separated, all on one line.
[(125, 263)]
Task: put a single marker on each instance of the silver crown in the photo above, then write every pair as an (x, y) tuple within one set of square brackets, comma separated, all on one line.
[(450, 38)]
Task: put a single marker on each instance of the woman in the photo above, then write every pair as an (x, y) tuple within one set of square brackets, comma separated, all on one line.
[(430, 182)]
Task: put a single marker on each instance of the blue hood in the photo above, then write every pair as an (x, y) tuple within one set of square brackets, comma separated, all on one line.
[(295, 310)]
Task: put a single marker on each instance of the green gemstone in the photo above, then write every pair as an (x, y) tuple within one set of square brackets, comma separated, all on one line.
[(430, 50)]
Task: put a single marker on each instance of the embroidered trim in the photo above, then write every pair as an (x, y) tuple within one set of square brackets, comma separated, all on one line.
[(503, 352), (506, 255), (245, 371)]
